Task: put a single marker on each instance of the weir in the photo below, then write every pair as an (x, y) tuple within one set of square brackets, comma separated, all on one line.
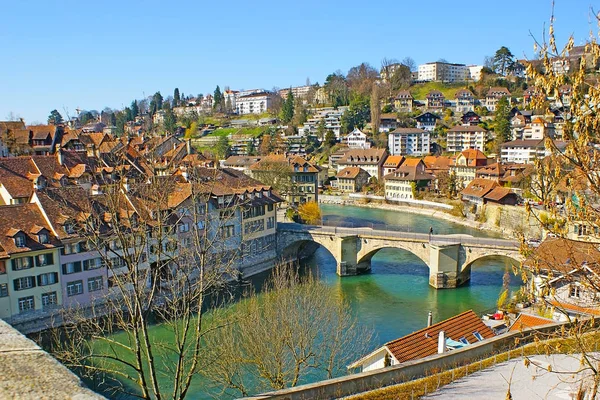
[(449, 257)]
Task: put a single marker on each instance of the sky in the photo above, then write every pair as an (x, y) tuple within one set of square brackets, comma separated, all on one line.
[(64, 55)]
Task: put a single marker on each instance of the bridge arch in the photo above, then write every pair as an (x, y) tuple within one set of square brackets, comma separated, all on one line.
[(421, 252)]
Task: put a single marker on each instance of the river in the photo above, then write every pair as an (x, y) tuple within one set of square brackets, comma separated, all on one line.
[(395, 298)]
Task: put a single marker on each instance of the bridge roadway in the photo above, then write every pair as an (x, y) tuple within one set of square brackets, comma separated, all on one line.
[(449, 257)]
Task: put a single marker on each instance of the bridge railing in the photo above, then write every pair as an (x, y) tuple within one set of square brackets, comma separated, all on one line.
[(386, 231)]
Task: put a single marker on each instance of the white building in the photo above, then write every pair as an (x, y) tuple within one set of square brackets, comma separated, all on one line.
[(523, 151), (331, 118), (445, 72), (357, 140), (409, 142), (475, 72), (256, 103), (463, 137), (230, 97)]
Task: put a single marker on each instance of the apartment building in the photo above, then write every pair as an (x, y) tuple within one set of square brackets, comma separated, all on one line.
[(409, 142), (443, 72), (463, 137), (254, 103)]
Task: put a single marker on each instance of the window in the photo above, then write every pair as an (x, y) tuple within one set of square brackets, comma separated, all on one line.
[(227, 231), (270, 207), (26, 303), (43, 237), (44, 259), (20, 240), (71, 268), (270, 222), (3, 289), (478, 336), (74, 288), (200, 224), (94, 263), (464, 340), (71, 248), (2, 267), (49, 299), (574, 291), (184, 227), (47, 279), (27, 282), (96, 283), (22, 263)]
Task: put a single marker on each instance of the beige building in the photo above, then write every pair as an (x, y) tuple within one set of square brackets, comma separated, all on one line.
[(371, 160), (352, 179)]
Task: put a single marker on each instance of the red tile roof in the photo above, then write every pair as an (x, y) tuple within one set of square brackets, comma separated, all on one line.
[(479, 187), (424, 342), (350, 172), (525, 321)]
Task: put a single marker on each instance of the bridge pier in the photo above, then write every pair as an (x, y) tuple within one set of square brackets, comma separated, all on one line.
[(444, 266)]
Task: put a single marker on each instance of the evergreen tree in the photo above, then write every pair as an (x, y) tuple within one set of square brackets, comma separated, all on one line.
[(222, 148), (128, 114), (287, 111), (217, 99), (55, 118), (330, 138), (135, 110), (170, 122), (502, 123), (176, 98), (156, 103), (503, 61), (86, 117)]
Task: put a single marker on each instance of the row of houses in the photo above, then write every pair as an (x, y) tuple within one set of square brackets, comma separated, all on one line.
[(155, 189)]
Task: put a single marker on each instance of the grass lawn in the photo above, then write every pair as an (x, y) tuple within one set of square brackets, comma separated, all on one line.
[(420, 90), (253, 131)]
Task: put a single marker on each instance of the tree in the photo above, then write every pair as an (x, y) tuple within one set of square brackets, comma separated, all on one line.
[(135, 111), (218, 99), (156, 103), (295, 329), (330, 138), (287, 110), (191, 131), (375, 106), (86, 117), (310, 213), (361, 78), (170, 121), (503, 61), (55, 118), (357, 114), (577, 165), (222, 148), (410, 63), (502, 126), (321, 129), (156, 275), (337, 90), (176, 98)]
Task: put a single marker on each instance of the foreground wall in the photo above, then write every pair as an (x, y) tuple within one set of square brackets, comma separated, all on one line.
[(28, 372)]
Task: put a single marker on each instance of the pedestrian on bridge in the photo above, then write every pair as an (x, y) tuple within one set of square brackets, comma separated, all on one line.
[(430, 232)]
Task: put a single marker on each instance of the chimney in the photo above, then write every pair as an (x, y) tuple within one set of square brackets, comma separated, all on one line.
[(188, 146), (59, 154), (184, 173), (125, 185), (442, 342), (429, 319)]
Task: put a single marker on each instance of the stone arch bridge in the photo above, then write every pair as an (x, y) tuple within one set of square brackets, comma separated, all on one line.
[(449, 257)]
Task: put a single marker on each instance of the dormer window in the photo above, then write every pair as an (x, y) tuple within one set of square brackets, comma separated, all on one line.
[(43, 237), (69, 228), (20, 240)]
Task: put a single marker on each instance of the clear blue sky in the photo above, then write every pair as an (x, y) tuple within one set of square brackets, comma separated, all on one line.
[(92, 54)]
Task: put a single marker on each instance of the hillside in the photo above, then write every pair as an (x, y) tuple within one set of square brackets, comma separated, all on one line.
[(420, 90)]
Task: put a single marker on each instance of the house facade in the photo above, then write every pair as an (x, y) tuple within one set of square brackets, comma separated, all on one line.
[(352, 179), (255, 103), (371, 160), (427, 121)]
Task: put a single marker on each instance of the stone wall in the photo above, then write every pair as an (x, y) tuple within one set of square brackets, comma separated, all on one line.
[(512, 220)]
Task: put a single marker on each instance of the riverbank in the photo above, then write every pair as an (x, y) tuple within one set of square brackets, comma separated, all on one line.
[(439, 214)]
